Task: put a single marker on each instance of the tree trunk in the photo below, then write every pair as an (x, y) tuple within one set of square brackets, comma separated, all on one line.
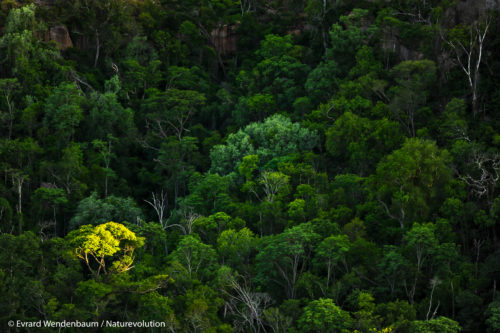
[(98, 47)]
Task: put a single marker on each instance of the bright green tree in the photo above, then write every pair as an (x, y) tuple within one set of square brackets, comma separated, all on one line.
[(275, 137), (323, 315), (439, 324), (235, 247)]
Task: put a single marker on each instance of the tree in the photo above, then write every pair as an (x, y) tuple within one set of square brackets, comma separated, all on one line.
[(279, 322), (392, 267), (154, 306), (187, 220), (196, 258), (20, 154), (366, 320), (168, 114), (493, 316), (6, 216), (477, 168), (318, 13), (18, 178), (246, 305), (170, 111), (421, 243), (322, 81), (93, 210), (275, 81), (348, 37), (159, 203), (48, 197), (296, 210), (248, 166), (273, 183), (440, 324), (105, 150), (283, 258), (24, 55), (454, 126), (8, 87), (18, 163), (141, 67), (95, 244), (409, 182), (235, 247), (156, 240), (69, 171), (211, 227), (176, 162), (332, 253), (360, 143), (103, 21), (63, 113), (199, 313), (323, 315), (415, 80), (209, 194), (107, 118), (468, 43), (22, 291), (275, 137), (397, 314)]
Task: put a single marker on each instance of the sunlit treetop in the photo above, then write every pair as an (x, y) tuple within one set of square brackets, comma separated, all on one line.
[(97, 244)]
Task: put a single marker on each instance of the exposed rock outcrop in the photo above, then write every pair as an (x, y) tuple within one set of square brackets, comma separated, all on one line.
[(60, 35), (391, 43), (224, 39), (493, 4), (44, 3), (468, 11)]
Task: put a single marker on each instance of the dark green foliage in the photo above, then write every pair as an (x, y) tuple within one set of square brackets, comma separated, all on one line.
[(93, 210), (278, 166)]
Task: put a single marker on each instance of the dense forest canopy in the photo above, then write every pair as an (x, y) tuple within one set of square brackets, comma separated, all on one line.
[(251, 166)]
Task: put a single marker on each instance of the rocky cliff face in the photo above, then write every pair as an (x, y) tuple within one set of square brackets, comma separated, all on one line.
[(60, 35), (464, 12), (493, 4), (224, 39), (467, 11), (45, 3)]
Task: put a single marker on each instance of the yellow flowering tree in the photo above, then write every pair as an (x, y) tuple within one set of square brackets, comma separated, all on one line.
[(106, 243)]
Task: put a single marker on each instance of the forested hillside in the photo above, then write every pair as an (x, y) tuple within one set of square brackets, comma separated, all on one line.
[(250, 166)]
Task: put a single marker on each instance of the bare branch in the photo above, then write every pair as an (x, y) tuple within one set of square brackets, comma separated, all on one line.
[(159, 203)]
